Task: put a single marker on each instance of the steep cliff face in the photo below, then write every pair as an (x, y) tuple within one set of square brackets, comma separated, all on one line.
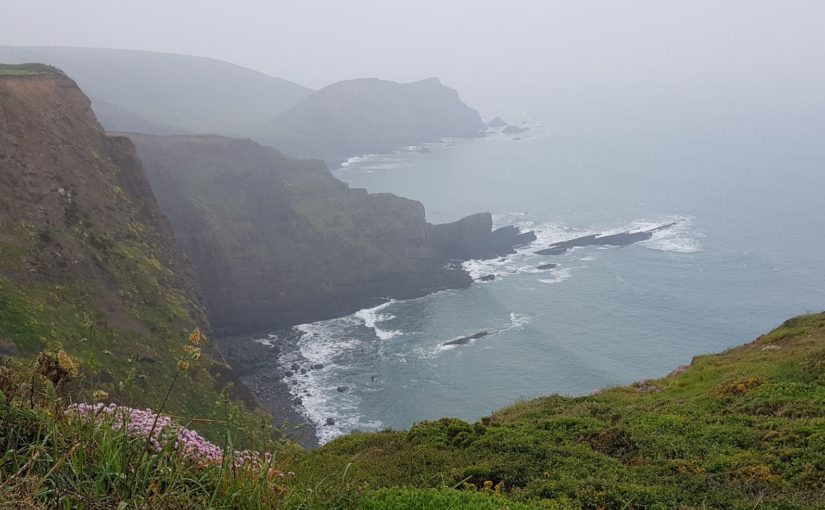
[(277, 241), (371, 116), (87, 260)]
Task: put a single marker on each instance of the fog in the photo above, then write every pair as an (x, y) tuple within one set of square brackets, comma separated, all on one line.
[(583, 55)]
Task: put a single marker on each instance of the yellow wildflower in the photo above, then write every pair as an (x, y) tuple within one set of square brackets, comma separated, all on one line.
[(192, 351), (196, 337), (183, 365), (68, 364)]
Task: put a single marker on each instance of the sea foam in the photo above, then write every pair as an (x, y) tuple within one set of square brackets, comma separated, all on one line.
[(373, 316)]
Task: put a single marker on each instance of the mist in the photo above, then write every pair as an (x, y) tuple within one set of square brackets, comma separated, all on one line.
[(587, 56)]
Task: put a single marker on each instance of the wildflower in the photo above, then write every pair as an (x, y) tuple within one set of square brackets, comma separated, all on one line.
[(192, 351), (100, 396), (196, 337), (183, 365), (159, 431)]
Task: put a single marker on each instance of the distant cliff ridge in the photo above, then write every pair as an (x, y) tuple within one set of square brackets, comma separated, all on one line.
[(164, 93), (365, 116), (277, 241)]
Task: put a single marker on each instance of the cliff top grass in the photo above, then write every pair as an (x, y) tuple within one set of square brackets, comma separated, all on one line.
[(743, 429), (32, 69)]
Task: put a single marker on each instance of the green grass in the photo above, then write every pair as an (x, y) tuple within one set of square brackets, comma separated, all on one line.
[(28, 70), (743, 429)]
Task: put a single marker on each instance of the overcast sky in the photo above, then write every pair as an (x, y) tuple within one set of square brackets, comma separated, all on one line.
[(486, 49)]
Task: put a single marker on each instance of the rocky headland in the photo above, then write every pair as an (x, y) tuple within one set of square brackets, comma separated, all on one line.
[(276, 241), (368, 116)]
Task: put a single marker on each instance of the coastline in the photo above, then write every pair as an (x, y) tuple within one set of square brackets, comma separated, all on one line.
[(250, 361), (253, 361)]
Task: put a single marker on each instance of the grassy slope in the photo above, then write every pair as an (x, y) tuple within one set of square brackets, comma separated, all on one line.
[(27, 69), (741, 429)]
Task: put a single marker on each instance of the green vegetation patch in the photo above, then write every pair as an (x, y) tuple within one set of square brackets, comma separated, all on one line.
[(31, 69)]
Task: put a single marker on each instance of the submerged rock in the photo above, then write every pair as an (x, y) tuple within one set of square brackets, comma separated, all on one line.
[(467, 339), (342, 389), (330, 421), (488, 278), (546, 266)]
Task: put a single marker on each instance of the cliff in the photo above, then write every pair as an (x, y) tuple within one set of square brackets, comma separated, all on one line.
[(276, 241), (366, 116), (87, 261)]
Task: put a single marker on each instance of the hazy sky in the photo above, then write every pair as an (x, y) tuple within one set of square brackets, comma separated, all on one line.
[(522, 50)]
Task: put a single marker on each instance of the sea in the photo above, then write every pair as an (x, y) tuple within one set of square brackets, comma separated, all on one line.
[(746, 253)]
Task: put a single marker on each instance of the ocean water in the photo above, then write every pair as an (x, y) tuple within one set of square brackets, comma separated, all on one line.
[(747, 253)]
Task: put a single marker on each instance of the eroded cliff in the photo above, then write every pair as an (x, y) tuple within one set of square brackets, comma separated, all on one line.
[(277, 241), (87, 260)]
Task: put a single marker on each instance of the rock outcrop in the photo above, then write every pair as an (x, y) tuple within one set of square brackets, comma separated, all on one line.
[(277, 241), (621, 239), (501, 126), (366, 116), (473, 238), (497, 122)]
